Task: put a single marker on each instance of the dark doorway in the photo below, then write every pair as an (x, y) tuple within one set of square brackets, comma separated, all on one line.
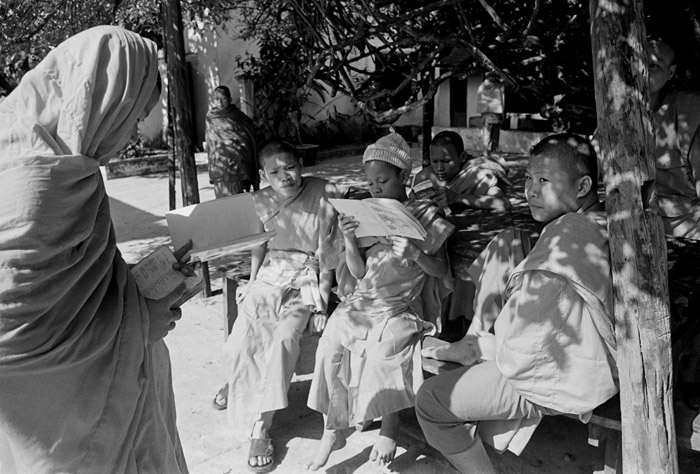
[(458, 102)]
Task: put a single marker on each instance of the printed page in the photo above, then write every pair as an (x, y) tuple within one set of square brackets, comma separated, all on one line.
[(370, 225), (155, 275), (380, 217), (396, 218)]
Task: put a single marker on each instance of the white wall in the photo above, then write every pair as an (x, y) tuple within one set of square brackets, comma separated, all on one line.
[(212, 56), (473, 83), (441, 113)]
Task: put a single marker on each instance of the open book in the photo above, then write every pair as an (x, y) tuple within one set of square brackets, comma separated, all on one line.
[(425, 189), (156, 277), (220, 227), (381, 217)]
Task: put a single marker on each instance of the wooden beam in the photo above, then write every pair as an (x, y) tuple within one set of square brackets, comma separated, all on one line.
[(637, 244)]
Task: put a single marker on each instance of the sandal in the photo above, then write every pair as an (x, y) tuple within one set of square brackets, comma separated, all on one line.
[(220, 401), (261, 447)]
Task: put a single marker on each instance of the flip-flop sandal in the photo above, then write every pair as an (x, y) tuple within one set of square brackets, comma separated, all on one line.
[(222, 394), (261, 447)]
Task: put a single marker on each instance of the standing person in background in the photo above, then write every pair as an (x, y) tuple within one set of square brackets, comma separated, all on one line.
[(232, 152), (491, 105), (231, 147), (85, 381)]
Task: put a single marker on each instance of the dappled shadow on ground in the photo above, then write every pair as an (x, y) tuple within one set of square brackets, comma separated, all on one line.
[(345, 171), (138, 232)]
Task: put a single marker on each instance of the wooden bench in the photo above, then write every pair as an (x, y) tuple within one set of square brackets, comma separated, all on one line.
[(232, 278), (605, 426), (474, 229)]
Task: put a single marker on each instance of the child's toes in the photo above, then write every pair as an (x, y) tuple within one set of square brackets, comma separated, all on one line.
[(383, 450)]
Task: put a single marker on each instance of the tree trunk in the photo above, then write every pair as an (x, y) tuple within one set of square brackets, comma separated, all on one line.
[(637, 244), (428, 120), (173, 32), (172, 157)]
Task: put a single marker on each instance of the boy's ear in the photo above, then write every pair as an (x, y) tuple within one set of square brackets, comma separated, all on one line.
[(671, 72), (404, 176), (584, 186), (263, 176)]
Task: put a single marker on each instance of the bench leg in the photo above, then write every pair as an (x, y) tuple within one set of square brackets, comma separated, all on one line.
[(612, 439), (207, 279), (230, 285)]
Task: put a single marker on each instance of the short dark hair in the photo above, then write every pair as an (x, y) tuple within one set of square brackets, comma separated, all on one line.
[(575, 151), (664, 42), (448, 137), (274, 147), (224, 90)]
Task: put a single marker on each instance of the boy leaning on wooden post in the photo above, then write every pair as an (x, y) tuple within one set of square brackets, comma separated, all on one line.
[(542, 339)]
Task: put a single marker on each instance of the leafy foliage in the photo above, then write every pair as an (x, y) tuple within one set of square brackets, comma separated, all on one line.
[(29, 29), (391, 56)]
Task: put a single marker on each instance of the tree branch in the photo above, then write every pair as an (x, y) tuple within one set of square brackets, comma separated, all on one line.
[(494, 16), (533, 17)]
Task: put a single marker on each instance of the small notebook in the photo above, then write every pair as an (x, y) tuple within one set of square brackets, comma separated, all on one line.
[(156, 277)]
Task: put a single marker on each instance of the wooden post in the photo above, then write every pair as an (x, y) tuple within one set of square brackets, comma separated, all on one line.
[(637, 244), (179, 90), (428, 120)]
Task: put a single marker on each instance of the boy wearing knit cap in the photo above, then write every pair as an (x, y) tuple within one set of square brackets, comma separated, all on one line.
[(368, 359)]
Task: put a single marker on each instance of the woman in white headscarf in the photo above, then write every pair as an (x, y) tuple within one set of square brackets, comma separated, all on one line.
[(85, 380)]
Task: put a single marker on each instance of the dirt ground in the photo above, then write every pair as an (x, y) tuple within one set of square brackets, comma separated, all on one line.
[(559, 445)]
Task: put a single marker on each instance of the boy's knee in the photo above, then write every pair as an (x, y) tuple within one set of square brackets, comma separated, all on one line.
[(426, 399), (397, 336), (289, 337)]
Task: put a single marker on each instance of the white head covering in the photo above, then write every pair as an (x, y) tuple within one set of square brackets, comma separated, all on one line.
[(392, 149)]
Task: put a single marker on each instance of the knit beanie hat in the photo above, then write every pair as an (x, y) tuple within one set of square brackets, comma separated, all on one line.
[(392, 149)]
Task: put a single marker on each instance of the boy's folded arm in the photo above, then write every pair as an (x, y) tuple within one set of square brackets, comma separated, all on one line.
[(496, 201), (325, 282), (434, 265), (355, 259), (257, 257)]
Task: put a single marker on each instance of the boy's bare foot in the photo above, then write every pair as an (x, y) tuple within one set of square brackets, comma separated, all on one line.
[(383, 451), (330, 441), (461, 351)]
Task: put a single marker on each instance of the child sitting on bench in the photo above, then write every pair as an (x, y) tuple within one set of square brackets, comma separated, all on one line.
[(461, 180), (542, 339), (290, 283), (368, 359)]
